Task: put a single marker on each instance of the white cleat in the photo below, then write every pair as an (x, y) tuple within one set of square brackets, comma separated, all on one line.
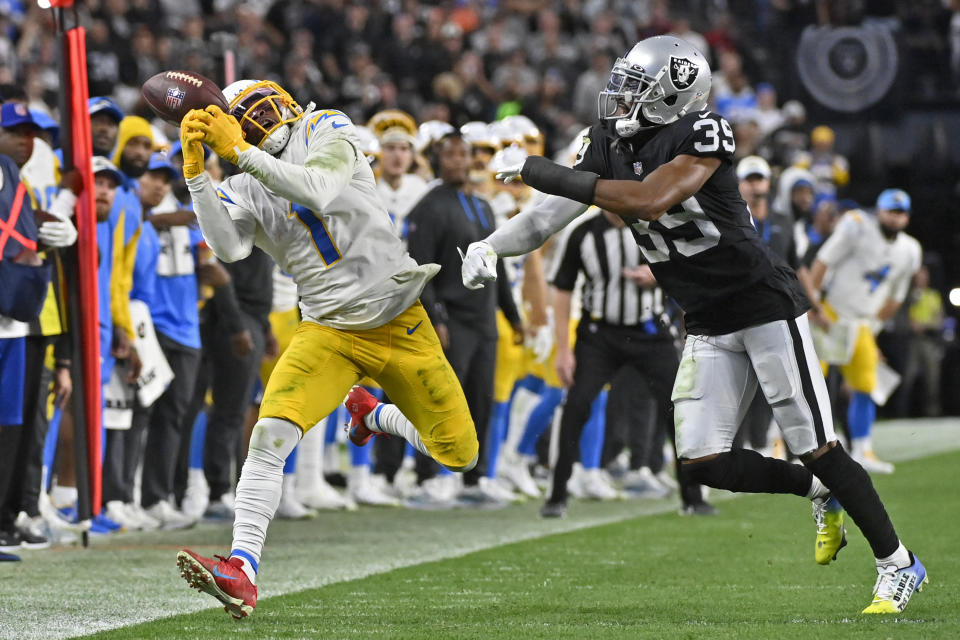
[(196, 497), (667, 480), (516, 470), (596, 486), (363, 490), (870, 462), (642, 483), (118, 512), (147, 522), (324, 497), (169, 516)]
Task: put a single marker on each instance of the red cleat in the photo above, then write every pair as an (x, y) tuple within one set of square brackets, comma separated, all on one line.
[(222, 578), (359, 403)]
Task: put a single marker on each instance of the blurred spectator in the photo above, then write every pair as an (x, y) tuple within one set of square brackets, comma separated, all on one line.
[(794, 198), (682, 29), (831, 170), (925, 354), (731, 91), (768, 116), (746, 134), (790, 138), (590, 83)]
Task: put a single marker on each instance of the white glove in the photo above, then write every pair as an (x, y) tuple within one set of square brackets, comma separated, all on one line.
[(479, 265), (542, 343), (510, 173), (57, 233)]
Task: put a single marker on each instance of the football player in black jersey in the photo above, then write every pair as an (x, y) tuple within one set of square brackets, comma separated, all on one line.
[(664, 163)]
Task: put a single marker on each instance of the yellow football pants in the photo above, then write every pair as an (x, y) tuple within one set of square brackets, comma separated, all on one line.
[(861, 372), (284, 324), (511, 360), (404, 356)]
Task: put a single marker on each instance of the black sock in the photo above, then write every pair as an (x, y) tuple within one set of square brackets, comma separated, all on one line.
[(746, 471), (851, 485)]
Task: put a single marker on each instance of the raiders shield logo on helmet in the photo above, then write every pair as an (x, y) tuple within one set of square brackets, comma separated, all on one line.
[(683, 72)]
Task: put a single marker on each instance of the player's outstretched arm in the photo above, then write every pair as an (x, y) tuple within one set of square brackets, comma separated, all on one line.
[(530, 228), (668, 185), (228, 240), (521, 234), (325, 173)]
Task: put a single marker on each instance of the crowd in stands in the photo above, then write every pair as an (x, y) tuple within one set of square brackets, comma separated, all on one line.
[(188, 342)]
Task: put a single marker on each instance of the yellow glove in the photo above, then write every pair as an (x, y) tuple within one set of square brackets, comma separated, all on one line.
[(221, 132), (190, 138)]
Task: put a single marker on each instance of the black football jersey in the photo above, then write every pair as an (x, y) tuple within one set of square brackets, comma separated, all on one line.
[(705, 251)]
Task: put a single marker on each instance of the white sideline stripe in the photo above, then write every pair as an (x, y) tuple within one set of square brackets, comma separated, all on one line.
[(41, 615)]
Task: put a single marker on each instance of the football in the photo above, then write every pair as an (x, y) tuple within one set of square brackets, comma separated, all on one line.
[(171, 94)]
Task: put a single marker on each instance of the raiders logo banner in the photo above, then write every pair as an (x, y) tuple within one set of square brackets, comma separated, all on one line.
[(683, 72), (847, 68)]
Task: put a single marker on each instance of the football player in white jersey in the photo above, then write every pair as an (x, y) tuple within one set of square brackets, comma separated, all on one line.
[(307, 196), (862, 273)]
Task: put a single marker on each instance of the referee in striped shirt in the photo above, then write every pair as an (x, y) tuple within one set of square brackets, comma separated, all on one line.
[(623, 322)]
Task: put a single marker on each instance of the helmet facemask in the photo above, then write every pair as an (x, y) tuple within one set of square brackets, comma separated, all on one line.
[(265, 112), (636, 100)]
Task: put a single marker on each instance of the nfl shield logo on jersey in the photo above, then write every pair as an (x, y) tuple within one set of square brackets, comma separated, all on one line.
[(638, 168), (175, 96), (682, 72)]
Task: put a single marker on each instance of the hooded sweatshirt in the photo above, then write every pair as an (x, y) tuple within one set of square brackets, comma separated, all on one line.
[(125, 222)]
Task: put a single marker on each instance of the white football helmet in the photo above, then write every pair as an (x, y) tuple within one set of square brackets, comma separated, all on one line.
[(265, 111), (479, 134), (430, 131), (369, 144), (658, 82)]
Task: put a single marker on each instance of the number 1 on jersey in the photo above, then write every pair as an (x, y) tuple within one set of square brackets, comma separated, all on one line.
[(318, 231)]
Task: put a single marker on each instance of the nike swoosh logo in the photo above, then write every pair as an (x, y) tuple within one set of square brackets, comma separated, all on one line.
[(414, 328), (337, 126), (217, 573)]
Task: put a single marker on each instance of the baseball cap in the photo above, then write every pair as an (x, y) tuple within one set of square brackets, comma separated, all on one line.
[(45, 122), (894, 200), (751, 166), (102, 165), (159, 162), (103, 104), (13, 114)]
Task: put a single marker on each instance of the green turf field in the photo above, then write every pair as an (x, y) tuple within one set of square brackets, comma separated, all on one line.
[(748, 572)]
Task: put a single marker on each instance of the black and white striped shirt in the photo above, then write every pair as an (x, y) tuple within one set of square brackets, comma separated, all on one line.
[(601, 251)]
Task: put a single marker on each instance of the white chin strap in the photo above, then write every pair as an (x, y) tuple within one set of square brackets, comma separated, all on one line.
[(276, 141)]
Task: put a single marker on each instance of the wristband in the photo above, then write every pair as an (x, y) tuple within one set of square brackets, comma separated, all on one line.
[(549, 177)]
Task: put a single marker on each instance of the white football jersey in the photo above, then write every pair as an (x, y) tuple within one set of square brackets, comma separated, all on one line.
[(400, 201), (41, 174), (864, 268), (351, 269)]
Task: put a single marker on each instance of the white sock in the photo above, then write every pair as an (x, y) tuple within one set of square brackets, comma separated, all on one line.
[(248, 569), (900, 558), (310, 460), (859, 446), (817, 489), (63, 496), (386, 418), (261, 482)]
